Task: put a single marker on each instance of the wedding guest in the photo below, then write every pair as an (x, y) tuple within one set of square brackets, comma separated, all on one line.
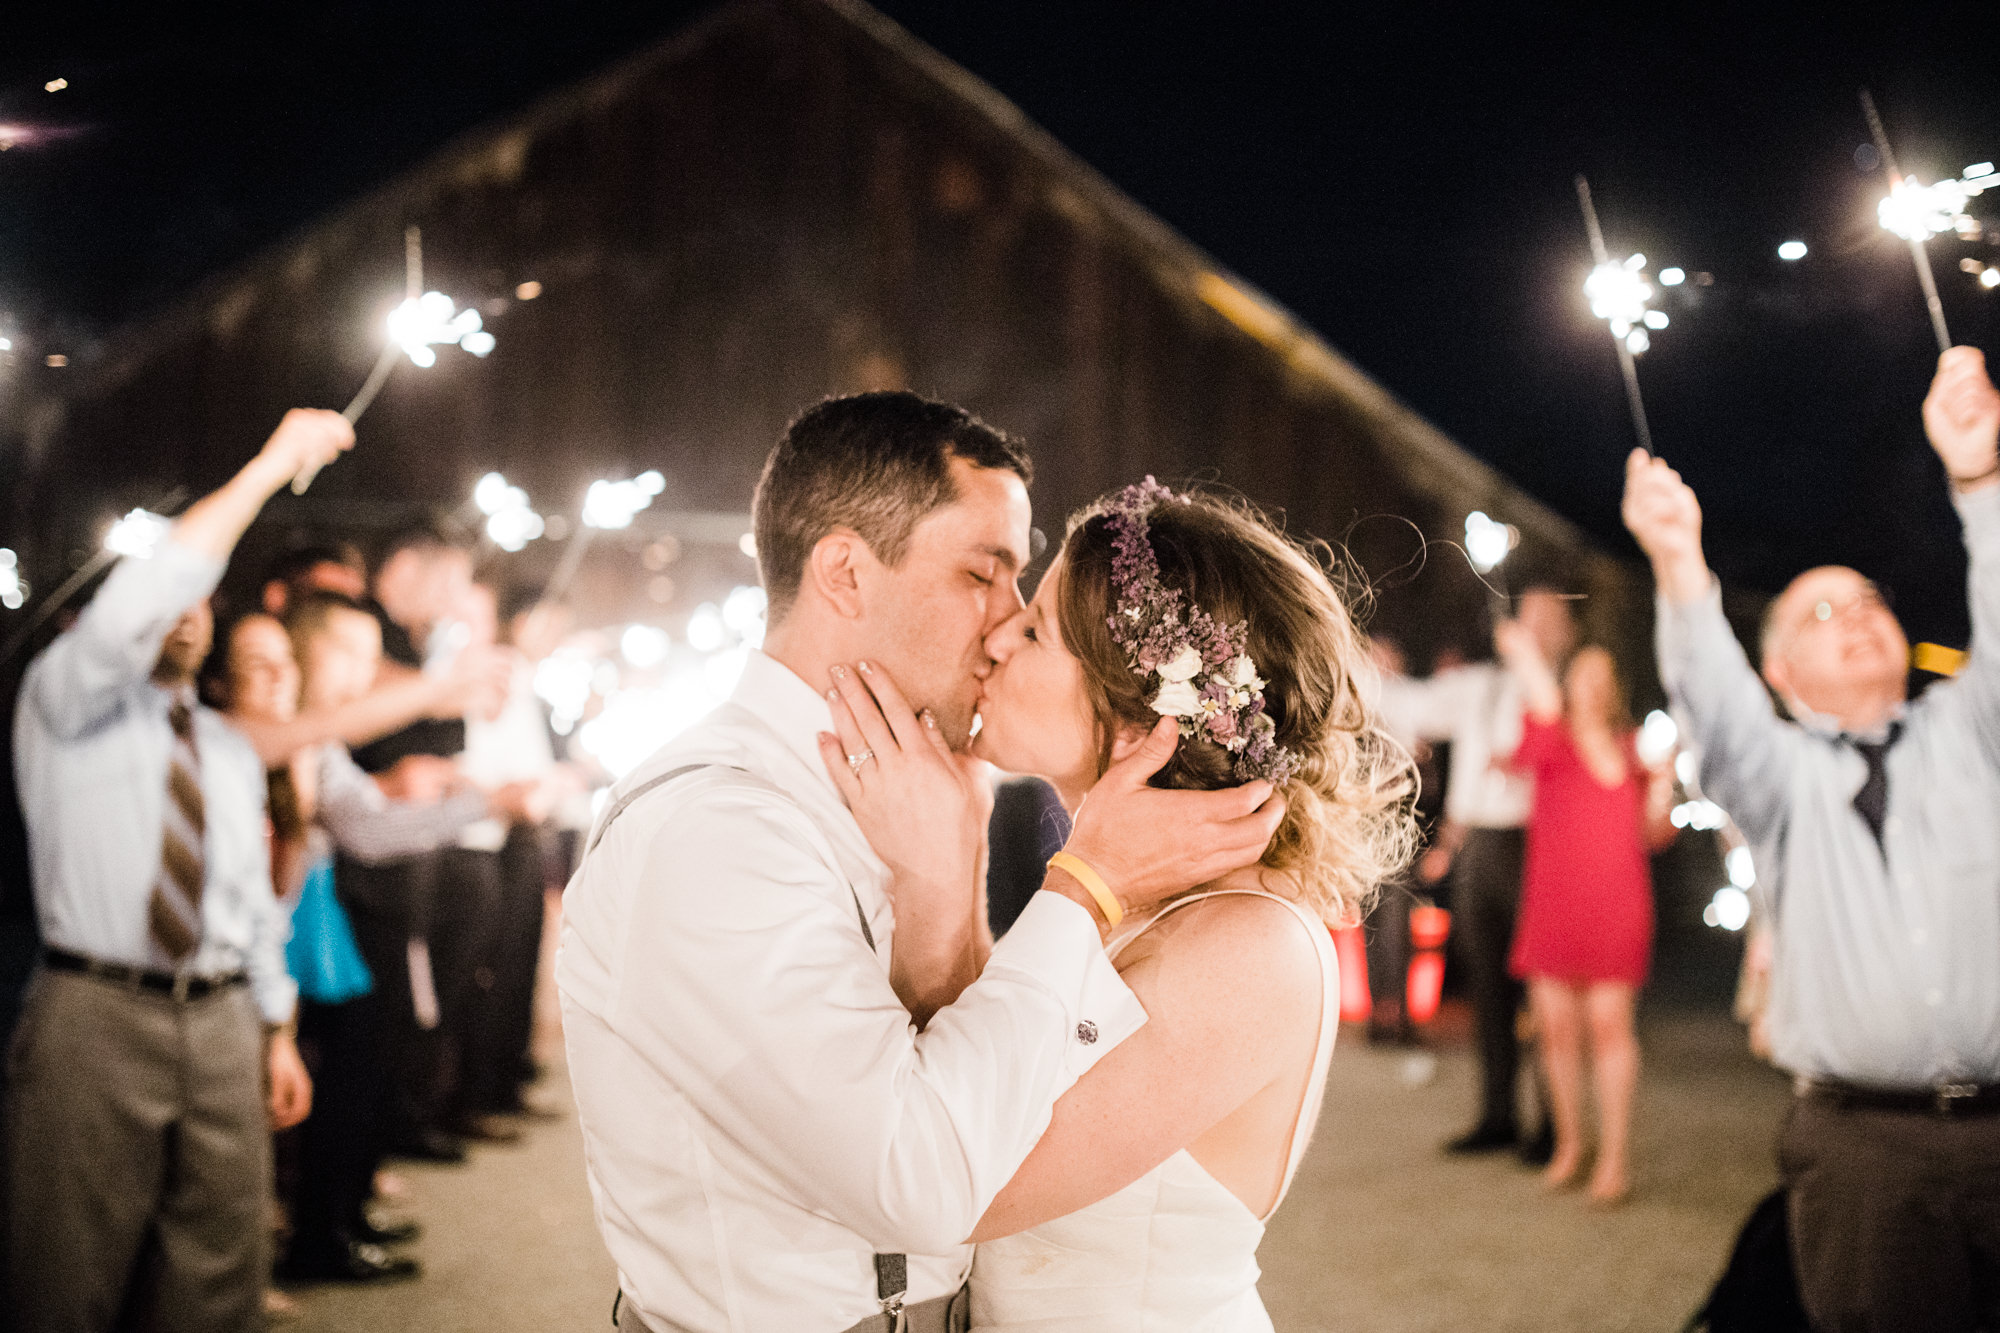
[(1878, 862), (154, 1052), (408, 917), (1477, 709), (1585, 938), (510, 743), (330, 567), (344, 1015)]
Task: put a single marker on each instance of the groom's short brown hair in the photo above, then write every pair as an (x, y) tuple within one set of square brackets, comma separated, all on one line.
[(877, 463)]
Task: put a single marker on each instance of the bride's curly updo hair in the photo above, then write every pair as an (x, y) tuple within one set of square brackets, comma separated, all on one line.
[(1349, 825)]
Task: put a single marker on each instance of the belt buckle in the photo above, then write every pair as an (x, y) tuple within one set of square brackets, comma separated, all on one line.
[(183, 983), (1948, 1094)]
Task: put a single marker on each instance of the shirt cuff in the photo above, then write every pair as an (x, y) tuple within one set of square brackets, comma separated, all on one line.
[(277, 997), (1055, 942)]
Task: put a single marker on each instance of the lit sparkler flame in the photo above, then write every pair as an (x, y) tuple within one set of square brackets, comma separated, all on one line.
[(1618, 294), (1917, 212), (431, 320)]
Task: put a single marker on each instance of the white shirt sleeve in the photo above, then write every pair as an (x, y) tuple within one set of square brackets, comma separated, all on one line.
[(735, 964), (116, 640), (1432, 709)]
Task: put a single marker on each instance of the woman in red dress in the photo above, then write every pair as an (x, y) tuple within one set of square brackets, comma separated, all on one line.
[(1584, 938)]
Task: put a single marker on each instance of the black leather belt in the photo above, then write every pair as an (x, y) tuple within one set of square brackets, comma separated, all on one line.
[(1946, 1099), (179, 985)]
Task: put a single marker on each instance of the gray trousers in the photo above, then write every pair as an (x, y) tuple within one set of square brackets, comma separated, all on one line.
[(138, 1160), (1895, 1218)]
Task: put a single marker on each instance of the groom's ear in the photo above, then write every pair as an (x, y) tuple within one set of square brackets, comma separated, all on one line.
[(834, 570)]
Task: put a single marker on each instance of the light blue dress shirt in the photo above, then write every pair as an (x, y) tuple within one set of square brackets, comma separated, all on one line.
[(91, 744), (1886, 966)]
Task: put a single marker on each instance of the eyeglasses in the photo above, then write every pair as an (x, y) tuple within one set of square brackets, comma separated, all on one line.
[(1870, 597)]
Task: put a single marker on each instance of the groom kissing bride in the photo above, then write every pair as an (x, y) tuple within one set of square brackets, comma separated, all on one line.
[(815, 1094)]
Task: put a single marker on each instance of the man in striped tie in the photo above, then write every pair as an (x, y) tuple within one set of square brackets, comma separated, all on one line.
[(154, 1050)]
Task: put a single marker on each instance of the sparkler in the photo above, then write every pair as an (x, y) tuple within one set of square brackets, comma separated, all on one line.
[(1618, 294), (1918, 212), (424, 320)]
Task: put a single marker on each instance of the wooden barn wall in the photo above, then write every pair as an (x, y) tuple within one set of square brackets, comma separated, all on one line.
[(776, 208)]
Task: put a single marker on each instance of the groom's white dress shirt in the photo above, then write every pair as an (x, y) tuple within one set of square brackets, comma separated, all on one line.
[(760, 1117)]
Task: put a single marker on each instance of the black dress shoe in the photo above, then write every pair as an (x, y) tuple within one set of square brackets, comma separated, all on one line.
[(429, 1145), (1540, 1146), (380, 1229), (356, 1262), (486, 1129), (526, 1110), (1483, 1138)]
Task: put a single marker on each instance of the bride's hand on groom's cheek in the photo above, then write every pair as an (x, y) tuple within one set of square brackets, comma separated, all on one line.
[(1150, 843), (922, 808)]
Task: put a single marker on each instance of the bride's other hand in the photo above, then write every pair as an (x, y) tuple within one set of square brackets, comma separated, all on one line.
[(924, 811), (1150, 843)]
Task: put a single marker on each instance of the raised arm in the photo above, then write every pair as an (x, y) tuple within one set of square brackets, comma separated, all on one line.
[(1541, 692), (925, 813), (1747, 751), (116, 641), (1962, 420)]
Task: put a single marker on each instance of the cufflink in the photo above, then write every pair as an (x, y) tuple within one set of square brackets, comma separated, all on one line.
[(1086, 1032)]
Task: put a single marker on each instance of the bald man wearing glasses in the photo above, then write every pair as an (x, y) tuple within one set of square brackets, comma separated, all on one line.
[(1873, 821)]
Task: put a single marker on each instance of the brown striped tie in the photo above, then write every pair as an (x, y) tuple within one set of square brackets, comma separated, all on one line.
[(175, 907)]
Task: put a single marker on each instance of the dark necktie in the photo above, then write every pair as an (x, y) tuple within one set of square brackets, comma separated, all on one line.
[(1872, 801), (174, 910)]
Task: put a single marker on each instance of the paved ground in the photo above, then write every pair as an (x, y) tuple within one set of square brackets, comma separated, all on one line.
[(1381, 1233)]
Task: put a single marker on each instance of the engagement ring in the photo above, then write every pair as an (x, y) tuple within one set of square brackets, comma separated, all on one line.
[(855, 761)]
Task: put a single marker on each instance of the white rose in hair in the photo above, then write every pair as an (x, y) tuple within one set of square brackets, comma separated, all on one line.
[(1184, 665), (1243, 674), (1177, 698)]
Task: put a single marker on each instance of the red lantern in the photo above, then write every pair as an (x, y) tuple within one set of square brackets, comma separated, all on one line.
[(1348, 947), (1430, 927)]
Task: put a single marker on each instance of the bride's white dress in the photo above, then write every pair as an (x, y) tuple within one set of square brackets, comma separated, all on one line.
[(1173, 1250)]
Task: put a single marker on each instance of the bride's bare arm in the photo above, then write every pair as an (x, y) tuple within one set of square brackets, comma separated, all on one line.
[(924, 812), (1231, 989)]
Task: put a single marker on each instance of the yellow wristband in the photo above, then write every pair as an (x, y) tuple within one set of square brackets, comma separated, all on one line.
[(1093, 883)]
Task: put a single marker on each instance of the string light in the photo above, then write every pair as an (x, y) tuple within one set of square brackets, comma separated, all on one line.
[(1487, 542), (13, 588)]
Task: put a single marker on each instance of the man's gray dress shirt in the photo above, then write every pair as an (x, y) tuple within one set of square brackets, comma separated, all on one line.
[(1886, 967)]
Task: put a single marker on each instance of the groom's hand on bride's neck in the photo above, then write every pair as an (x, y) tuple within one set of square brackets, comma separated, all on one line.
[(1151, 843)]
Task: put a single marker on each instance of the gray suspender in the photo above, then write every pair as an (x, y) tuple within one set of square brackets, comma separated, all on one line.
[(891, 1270)]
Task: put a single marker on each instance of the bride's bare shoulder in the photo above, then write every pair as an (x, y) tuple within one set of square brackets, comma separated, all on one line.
[(1235, 952)]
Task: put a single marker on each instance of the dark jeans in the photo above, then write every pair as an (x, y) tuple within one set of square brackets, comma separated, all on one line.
[(340, 1143), (461, 949), (389, 905), (1486, 896), (1387, 932), (1895, 1218), (502, 1020)]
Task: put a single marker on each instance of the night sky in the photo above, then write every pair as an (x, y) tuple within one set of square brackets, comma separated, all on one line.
[(1403, 182)]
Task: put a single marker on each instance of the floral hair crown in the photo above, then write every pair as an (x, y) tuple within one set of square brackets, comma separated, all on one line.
[(1207, 679)]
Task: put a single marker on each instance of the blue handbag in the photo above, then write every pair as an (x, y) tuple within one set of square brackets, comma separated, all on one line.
[(322, 955)]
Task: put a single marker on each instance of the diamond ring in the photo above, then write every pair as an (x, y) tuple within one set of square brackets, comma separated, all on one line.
[(855, 761)]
